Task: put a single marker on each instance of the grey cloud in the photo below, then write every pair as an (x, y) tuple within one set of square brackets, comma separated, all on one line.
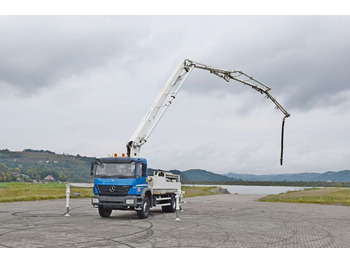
[(313, 66), (38, 52), (303, 58)]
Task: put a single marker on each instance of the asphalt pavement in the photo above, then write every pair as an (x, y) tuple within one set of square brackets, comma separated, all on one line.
[(226, 221)]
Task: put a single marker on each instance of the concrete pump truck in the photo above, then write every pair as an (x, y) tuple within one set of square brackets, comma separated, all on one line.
[(123, 183)]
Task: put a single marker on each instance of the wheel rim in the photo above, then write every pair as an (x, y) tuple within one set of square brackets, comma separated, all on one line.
[(146, 208), (173, 203)]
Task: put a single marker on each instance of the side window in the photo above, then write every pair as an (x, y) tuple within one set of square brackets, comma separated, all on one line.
[(139, 169)]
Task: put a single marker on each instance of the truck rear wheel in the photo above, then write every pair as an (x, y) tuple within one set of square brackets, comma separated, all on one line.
[(172, 207), (144, 212), (104, 212)]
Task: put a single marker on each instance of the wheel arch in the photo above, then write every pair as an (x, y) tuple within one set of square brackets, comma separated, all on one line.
[(146, 192)]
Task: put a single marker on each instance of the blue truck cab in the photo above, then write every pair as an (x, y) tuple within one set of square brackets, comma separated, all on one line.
[(121, 183)]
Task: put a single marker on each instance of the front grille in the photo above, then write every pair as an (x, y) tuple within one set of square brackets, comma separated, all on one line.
[(110, 190)]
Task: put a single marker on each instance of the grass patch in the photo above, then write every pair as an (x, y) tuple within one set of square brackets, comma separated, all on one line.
[(192, 191), (12, 192), (324, 196)]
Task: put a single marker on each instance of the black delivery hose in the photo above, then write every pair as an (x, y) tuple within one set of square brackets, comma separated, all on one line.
[(282, 138)]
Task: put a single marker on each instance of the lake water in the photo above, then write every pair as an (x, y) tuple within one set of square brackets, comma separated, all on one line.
[(258, 190)]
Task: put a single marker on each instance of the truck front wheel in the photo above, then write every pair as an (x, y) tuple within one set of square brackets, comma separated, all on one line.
[(104, 212), (144, 212)]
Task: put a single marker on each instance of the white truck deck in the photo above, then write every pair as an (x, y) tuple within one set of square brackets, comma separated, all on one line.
[(163, 183)]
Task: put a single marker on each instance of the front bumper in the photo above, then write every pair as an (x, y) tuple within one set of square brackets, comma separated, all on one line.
[(115, 202)]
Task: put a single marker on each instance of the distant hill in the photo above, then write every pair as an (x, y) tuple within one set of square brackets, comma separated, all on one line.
[(196, 175), (340, 176), (203, 175), (36, 164)]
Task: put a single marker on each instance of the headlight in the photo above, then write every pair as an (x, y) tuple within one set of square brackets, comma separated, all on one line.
[(95, 200), (129, 201)]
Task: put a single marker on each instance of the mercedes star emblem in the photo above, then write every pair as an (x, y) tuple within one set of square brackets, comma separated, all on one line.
[(112, 189)]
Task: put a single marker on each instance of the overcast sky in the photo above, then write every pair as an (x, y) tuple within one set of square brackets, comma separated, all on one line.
[(81, 84)]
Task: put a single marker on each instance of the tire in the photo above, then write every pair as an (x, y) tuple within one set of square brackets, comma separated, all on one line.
[(104, 212), (146, 206), (172, 207)]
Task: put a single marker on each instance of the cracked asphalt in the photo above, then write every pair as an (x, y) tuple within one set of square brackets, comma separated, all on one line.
[(225, 221)]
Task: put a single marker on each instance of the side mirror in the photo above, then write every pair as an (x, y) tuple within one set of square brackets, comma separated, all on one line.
[(144, 170)]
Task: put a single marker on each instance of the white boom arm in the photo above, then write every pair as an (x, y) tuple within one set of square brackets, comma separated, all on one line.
[(172, 87)]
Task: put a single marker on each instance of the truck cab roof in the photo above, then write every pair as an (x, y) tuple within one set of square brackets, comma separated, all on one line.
[(121, 160)]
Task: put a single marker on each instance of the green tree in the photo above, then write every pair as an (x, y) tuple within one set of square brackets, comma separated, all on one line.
[(33, 172), (62, 177), (5, 173)]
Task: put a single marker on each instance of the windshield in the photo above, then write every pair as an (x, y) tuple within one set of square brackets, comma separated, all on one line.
[(116, 170)]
